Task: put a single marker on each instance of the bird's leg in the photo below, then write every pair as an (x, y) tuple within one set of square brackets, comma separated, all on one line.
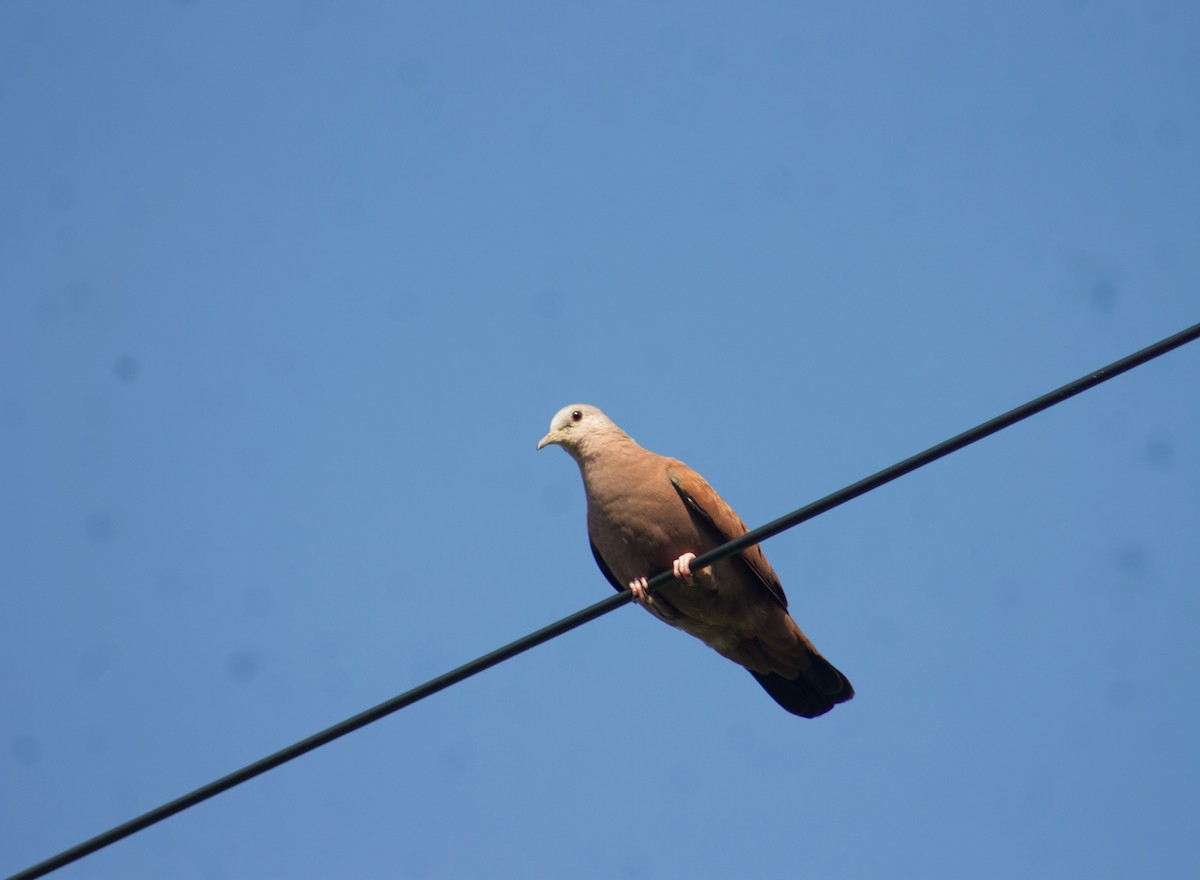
[(638, 588), (682, 569)]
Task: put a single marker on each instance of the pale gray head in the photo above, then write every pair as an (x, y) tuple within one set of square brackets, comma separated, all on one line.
[(578, 427)]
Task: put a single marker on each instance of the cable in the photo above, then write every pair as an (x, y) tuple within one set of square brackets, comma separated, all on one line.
[(579, 618)]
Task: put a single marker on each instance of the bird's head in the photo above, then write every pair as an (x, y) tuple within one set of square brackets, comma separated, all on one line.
[(576, 426)]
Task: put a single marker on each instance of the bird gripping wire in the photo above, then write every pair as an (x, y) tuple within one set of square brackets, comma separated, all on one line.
[(754, 536)]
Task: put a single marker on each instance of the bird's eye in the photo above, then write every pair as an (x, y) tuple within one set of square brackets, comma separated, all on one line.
[(576, 415)]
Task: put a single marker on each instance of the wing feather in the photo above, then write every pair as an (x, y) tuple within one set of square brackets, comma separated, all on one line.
[(605, 570), (703, 500)]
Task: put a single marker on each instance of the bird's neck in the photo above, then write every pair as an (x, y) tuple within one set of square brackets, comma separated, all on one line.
[(614, 443)]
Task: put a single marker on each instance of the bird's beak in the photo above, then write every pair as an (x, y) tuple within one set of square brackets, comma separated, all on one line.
[(550, 438)]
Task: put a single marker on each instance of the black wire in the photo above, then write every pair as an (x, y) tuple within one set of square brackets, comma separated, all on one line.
[(603, 607)]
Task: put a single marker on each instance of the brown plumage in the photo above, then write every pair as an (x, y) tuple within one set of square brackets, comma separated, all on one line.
[(648, 513)]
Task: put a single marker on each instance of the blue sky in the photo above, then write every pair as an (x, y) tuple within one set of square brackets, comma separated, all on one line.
[(291, 290)]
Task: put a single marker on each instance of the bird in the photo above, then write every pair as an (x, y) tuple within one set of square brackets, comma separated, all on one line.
[(648, 513)]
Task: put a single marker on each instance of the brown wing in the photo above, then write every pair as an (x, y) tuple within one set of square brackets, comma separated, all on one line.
[(703, 500)]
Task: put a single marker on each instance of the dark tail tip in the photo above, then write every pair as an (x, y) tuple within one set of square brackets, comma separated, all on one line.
[(801, 697)]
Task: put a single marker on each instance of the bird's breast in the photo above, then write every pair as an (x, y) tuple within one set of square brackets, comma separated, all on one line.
[(638, 531)]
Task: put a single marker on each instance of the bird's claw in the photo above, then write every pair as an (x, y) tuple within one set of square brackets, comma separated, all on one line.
[(682, 568), (638, 588)]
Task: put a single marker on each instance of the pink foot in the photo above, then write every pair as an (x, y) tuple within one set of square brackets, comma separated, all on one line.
[(682, 568), (638, 588)]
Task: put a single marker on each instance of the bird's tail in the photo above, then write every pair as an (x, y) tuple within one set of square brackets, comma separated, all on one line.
[(800, 696), (799, 678)]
